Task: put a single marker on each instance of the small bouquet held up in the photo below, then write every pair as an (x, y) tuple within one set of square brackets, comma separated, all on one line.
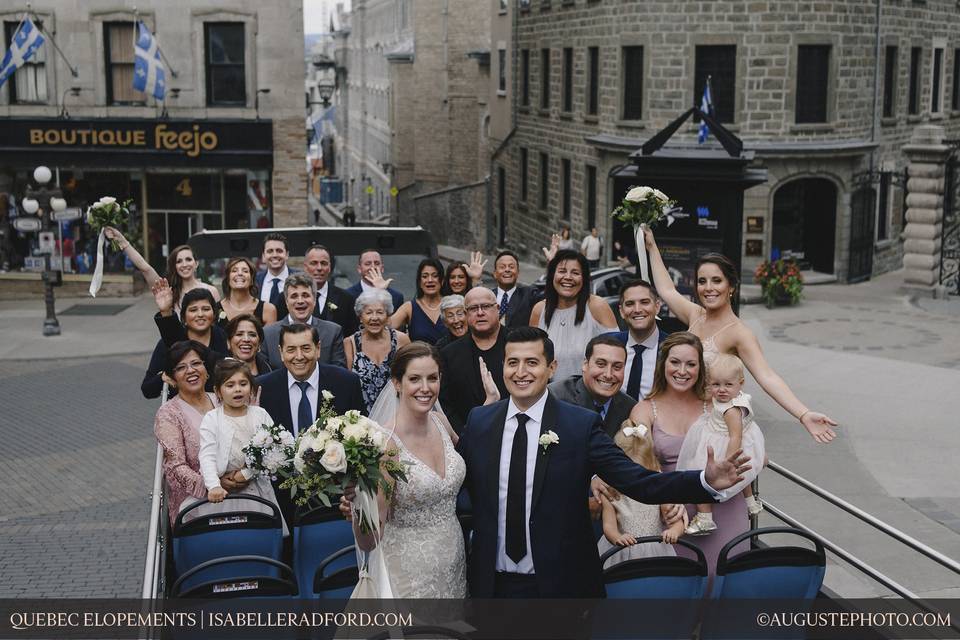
[(644, 206), (270, 451), (105, 213), (109, 213)]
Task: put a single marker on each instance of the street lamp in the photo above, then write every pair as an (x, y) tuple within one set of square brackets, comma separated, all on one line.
[(326, 88), (45, 202), (74, 91)]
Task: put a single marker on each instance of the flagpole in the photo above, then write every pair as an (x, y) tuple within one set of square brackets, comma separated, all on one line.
[(136, 15), (39, 25)]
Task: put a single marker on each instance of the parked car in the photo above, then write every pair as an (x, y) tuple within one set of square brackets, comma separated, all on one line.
[(402, 249)]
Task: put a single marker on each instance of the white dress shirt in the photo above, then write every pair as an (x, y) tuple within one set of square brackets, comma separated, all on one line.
[(509, 293), (293, 390), (322, 296), (535, 415), (268, 283), (649, 361)]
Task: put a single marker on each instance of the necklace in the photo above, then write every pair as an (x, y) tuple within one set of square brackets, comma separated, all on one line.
[(424, 303)]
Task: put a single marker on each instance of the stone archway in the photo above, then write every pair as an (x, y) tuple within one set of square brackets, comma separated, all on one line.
[(804, 223)]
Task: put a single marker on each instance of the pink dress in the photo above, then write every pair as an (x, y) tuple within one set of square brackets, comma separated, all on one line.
[(177, 427), (730, 516)]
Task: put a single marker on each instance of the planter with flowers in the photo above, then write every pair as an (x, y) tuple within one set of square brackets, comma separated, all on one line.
[(780, 282)]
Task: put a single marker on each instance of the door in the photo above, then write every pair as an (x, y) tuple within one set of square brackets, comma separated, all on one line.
[(862, 220), (804, 223)]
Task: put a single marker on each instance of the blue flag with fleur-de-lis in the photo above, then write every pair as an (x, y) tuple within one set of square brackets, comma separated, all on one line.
[(149, 74), (25, 43)]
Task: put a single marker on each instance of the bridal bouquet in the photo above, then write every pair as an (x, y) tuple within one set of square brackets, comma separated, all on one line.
[(108, 213), (338, 451), (644, 206), (270, 451)]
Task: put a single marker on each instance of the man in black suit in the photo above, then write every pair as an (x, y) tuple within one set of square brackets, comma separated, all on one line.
[(461, 387), (529, 461), (370, 267), (270, 281), (639, 306), (333, 303), (515, 301), (600, 387), (293, 393)]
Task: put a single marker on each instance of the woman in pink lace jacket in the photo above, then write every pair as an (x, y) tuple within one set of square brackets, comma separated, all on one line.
[(177, 426)]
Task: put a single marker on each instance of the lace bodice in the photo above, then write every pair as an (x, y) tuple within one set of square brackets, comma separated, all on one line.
[(422, 541), (636, 518)]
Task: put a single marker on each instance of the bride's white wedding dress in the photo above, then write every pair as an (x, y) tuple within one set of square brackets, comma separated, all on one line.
[(422, 541)]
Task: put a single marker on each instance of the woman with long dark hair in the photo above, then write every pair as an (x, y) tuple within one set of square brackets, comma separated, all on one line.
[(569, 313), (715, 323), (421, 316), (241, 295)]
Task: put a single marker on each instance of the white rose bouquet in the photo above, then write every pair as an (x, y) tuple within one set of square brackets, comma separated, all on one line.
[(644, 206), (270, 451), (109, 213), (338, 451)]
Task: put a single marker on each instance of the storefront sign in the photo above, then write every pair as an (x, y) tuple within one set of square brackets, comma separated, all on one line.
[(106, 142)]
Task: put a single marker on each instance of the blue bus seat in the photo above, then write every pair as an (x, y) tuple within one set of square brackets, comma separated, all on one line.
[(318, 532)]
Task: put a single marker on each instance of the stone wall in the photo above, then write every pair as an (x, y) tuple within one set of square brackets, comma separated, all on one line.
[(289, 174), (454, 216)]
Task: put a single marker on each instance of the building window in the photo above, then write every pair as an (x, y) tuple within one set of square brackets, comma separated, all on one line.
[(590, 195), (890, 82), (913, 107), (544, 180), (719, 64), (937, 84), (118, 52), (502, 71), (29, 82), (813, 77), (525, 78), (567, 188), (524, 175), (955, 97), (632, 83), (503, 6), (593, 80), (545, 78), (883, 206), (226, 74), (568, 80)]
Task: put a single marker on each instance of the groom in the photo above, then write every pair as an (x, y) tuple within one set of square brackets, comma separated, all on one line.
[(529, 462)]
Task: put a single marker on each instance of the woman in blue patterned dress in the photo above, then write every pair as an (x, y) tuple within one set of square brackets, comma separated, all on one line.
[(370, 351)]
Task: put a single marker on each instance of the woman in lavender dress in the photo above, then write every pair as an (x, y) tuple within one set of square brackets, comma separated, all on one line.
[(676, 403)]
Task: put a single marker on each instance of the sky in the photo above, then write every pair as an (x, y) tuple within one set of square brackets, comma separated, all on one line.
[(316, 14)]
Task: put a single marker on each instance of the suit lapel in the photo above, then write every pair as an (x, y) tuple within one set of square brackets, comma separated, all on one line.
[(543, 455), (493, 462), (283, 396)]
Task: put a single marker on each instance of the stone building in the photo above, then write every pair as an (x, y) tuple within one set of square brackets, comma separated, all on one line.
[(224, 150), (826, 94), (414, 117)]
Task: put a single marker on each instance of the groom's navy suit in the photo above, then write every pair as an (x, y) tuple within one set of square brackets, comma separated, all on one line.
[(562, 541)]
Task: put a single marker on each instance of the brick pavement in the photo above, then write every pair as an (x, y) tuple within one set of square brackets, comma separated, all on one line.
[(78, 451)]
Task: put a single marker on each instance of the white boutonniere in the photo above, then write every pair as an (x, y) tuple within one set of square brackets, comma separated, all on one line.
[(327, 396), (548, 438), (332, 306), (223, 315)]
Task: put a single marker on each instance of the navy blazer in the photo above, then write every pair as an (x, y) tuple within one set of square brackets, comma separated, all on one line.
[(562, 540), (520, 306), (356, 289), (262, 274), (343, 384)]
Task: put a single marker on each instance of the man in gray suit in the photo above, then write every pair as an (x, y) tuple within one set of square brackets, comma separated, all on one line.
[(300, 295), (599, 388)]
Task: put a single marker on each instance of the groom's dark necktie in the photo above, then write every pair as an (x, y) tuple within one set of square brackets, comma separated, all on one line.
[(275, 292), (304, 411), (516, 530), (636, 372)]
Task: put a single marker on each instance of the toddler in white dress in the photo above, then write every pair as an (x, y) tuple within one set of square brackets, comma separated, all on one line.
[(730, 427)]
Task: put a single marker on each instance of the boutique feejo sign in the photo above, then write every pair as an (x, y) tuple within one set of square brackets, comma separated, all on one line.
[(106, 142)]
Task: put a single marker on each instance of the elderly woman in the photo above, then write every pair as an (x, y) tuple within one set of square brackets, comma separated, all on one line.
[(177, 426), (369, 351), (454, 319), (244, 337)]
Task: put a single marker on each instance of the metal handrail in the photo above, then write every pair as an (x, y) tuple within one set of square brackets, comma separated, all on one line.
[(873, 521), (151, 564)]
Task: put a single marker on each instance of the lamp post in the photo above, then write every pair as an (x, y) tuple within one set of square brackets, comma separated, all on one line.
[(45, 202)]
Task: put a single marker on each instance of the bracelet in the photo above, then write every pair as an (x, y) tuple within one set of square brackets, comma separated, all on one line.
[(803, 414)]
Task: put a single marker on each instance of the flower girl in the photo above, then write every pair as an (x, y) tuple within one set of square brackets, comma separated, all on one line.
[(730, 427), (225, 431), (624, 519)]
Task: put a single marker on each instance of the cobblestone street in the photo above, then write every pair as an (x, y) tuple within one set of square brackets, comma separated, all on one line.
[(78, 451)]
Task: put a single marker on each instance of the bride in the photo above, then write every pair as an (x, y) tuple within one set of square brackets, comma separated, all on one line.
[(420, 536)]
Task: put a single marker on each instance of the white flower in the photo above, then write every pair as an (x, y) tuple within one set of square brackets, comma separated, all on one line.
[(223, 315), (334, 458), (315, 442), (298, 463), (326, 395), (89, 215), (286, 438), (261, 438), (638, 431), (661, 196), (356, 430), (106, 200), (333, 425), (638, 194), (332, 306), (352, 416), (273, 459), (378, 438), (548, 438)]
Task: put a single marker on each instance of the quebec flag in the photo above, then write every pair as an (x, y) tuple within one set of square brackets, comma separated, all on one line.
[(25, 43), (149, 74)]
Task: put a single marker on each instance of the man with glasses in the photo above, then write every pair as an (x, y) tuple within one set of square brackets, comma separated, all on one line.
[(461, 386)]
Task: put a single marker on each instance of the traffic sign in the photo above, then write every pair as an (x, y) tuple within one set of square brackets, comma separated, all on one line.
[(67, 215), (394, 191), (369, 188), (27, 225)]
